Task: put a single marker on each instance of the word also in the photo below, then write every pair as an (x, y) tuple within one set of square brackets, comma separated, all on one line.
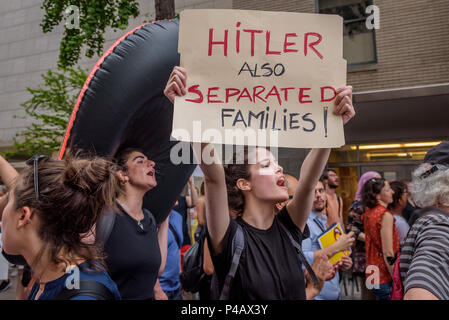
[(289, 43), (257, 94), (288, 121), (277, 70)]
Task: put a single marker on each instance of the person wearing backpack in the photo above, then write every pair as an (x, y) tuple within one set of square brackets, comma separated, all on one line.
[(270, 262), (169, 279), (423, 267), (52, 205)]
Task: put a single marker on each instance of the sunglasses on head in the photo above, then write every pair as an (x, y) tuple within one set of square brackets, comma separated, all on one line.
[(34, 162), (432, 170)]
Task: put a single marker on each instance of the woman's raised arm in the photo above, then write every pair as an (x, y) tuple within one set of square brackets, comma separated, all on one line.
[(217, 212)]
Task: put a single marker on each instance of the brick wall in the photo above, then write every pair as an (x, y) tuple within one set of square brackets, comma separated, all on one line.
[(412, 42), (412, 46)]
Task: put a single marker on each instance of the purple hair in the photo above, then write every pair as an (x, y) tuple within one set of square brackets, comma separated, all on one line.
[(363, 179)]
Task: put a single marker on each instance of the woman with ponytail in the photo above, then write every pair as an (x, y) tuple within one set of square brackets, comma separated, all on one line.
[(381, 236), (52, 205), (136, 247)]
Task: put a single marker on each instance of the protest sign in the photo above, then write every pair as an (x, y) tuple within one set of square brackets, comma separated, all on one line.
[(330, 236), (260, 78)]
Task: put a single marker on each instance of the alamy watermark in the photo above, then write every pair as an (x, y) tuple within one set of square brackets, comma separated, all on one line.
[(72, 17), (73, 279), (373, 20), (232, 140)]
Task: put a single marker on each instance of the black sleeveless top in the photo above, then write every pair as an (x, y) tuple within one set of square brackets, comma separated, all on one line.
[(133, 256)]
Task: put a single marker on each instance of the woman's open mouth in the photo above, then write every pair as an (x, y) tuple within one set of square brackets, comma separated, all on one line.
[(281, 182)]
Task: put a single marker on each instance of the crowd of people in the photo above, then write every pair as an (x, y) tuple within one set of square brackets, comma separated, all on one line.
[(79, 228)]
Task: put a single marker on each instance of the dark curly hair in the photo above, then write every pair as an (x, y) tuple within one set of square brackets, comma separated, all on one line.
[(238, 169), (72, 195), (399, 188), (370, 190)]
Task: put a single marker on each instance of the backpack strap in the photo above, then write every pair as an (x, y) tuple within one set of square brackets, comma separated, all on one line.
[(175, 235), (300, 255), (104, 226), (238, 243), (89, 288)]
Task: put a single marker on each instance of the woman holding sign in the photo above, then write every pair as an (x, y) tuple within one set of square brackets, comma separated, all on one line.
[(269, 267)]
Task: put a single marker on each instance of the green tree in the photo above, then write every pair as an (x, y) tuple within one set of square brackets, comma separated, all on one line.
[(49, 108), (88, 27)]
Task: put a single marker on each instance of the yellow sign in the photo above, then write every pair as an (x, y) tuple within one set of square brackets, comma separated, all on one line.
[(331, 236)]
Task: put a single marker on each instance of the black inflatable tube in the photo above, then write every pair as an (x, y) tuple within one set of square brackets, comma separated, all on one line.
[(122, 105)]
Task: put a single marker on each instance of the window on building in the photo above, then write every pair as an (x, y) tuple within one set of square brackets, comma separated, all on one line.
[(359, 44)]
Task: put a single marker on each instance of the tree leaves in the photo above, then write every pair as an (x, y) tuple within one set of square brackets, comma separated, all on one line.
[(49, 108), (94, 17)]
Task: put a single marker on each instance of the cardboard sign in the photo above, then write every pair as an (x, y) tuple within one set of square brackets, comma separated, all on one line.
[(329, 237), (269, 75)]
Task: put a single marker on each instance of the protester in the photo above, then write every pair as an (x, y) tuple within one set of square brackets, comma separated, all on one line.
[(424, 258), (291, 182), (7, 175), (186, 202), (311, 247), (52, 204), (355, 224), (397, 206), (169, 280), (334, 204), (136, 249), (381, 234), (270, 267), (208, 267), (410, 206)]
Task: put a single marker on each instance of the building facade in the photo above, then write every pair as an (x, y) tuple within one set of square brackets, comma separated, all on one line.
[(399, 72)]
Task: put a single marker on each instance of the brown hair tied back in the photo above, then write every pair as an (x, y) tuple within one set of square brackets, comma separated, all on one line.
[(238, 169), (369, 191), (72, 195)]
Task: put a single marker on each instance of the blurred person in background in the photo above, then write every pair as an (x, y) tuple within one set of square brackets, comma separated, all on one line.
[(355, 224), (334, 204), (397, 207), (410, 206), (381, 235)]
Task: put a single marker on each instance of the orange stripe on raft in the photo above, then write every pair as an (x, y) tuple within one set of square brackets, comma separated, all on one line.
[(86, 85)]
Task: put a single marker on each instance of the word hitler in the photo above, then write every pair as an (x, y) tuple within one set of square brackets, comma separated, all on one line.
[(311, 40), (229, 309)]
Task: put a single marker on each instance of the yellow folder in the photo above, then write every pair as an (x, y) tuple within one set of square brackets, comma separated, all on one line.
[(329, 237)]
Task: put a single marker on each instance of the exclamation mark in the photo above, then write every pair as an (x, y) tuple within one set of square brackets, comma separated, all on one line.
[(325, 121)]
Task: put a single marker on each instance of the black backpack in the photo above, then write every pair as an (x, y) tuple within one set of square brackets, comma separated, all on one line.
[(89, 288), (192, 268), (194, 273)]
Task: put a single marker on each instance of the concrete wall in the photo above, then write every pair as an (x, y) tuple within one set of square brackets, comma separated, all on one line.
[(26, 52)]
